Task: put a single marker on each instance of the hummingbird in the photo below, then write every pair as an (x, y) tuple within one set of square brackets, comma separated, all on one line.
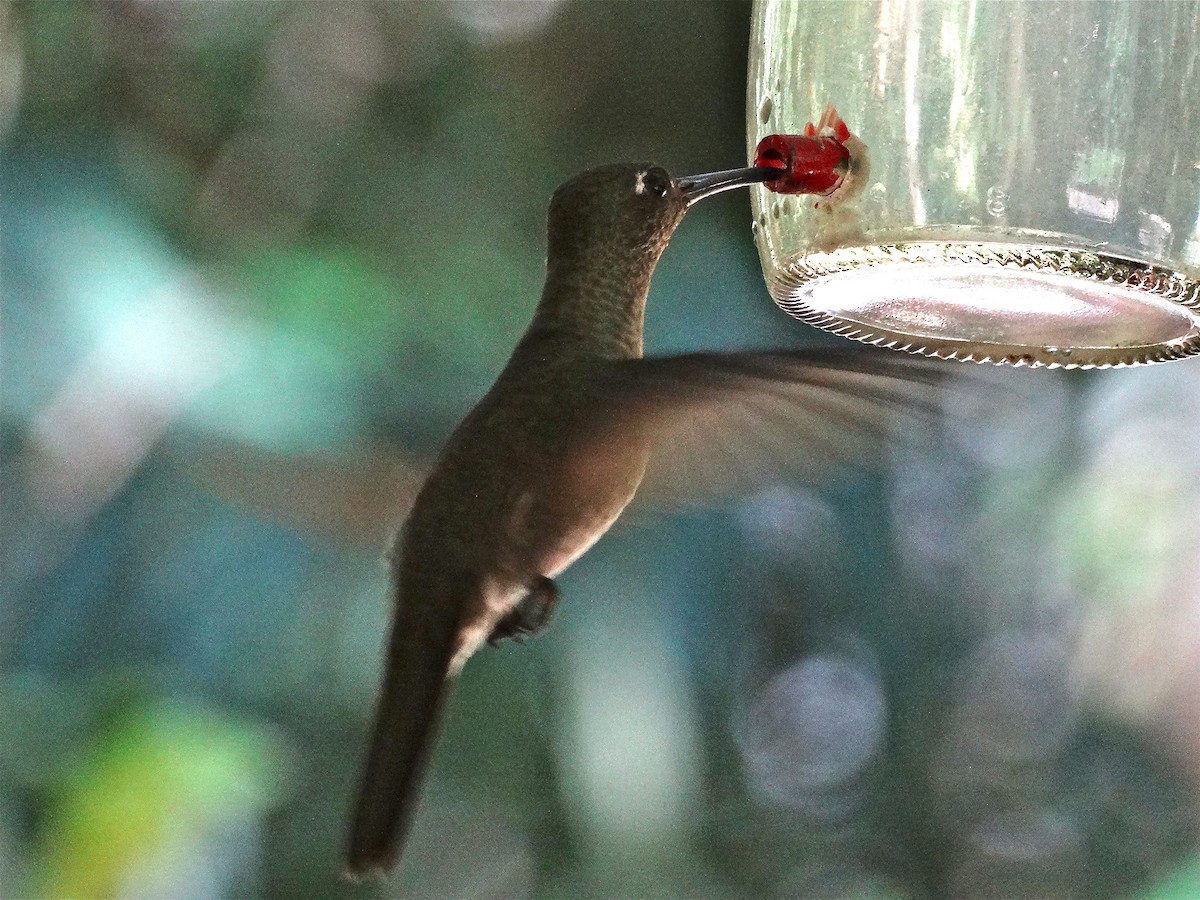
[(546, 462)]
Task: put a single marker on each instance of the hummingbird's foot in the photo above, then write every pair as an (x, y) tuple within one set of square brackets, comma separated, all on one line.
[(531, 614)]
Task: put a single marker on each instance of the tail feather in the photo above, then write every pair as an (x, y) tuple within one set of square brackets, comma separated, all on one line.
[(415, 688)]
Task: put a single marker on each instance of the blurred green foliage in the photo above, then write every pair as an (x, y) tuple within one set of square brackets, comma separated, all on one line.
[(156, 781)]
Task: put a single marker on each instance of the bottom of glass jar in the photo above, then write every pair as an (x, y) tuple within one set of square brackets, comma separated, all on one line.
[(1028, 304)]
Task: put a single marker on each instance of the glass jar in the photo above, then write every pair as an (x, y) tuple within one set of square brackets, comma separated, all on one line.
[(1029, 183)]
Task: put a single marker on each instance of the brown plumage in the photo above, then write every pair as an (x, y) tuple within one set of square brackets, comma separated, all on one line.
[(550, 457)]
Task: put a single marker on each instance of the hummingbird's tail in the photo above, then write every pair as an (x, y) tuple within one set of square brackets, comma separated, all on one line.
[(417, 681)]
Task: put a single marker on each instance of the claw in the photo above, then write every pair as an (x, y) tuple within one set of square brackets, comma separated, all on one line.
[(531, 614)]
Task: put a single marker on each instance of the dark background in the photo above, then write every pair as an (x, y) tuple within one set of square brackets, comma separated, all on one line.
[(259, 258)]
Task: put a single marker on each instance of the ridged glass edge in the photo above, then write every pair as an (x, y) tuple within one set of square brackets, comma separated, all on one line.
[(788, 280)]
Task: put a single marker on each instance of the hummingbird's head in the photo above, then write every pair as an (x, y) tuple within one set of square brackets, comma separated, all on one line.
[(622, 208), (631, 208), (607, 229)]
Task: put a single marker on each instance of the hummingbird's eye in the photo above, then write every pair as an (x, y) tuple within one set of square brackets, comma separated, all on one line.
[(653, 181)]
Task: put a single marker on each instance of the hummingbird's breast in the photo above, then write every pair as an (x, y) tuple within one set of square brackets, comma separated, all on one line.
[(575, 502), (523, 487)]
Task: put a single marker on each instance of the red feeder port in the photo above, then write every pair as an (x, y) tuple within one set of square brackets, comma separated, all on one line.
[(811, 164)]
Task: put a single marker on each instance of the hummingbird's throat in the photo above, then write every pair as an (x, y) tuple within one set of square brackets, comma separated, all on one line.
[(593, 309)]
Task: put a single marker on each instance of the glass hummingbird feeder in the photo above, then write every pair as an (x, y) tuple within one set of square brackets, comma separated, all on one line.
[(1011, 183)]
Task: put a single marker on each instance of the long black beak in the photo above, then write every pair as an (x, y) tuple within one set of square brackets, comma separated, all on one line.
[(697, 187)]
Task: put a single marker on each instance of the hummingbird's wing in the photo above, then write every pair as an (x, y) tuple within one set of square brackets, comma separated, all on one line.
[(724, 423), (354, 498)]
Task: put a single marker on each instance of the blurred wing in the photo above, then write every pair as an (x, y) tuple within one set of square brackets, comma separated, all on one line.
[(354, 499), (728, 423)]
